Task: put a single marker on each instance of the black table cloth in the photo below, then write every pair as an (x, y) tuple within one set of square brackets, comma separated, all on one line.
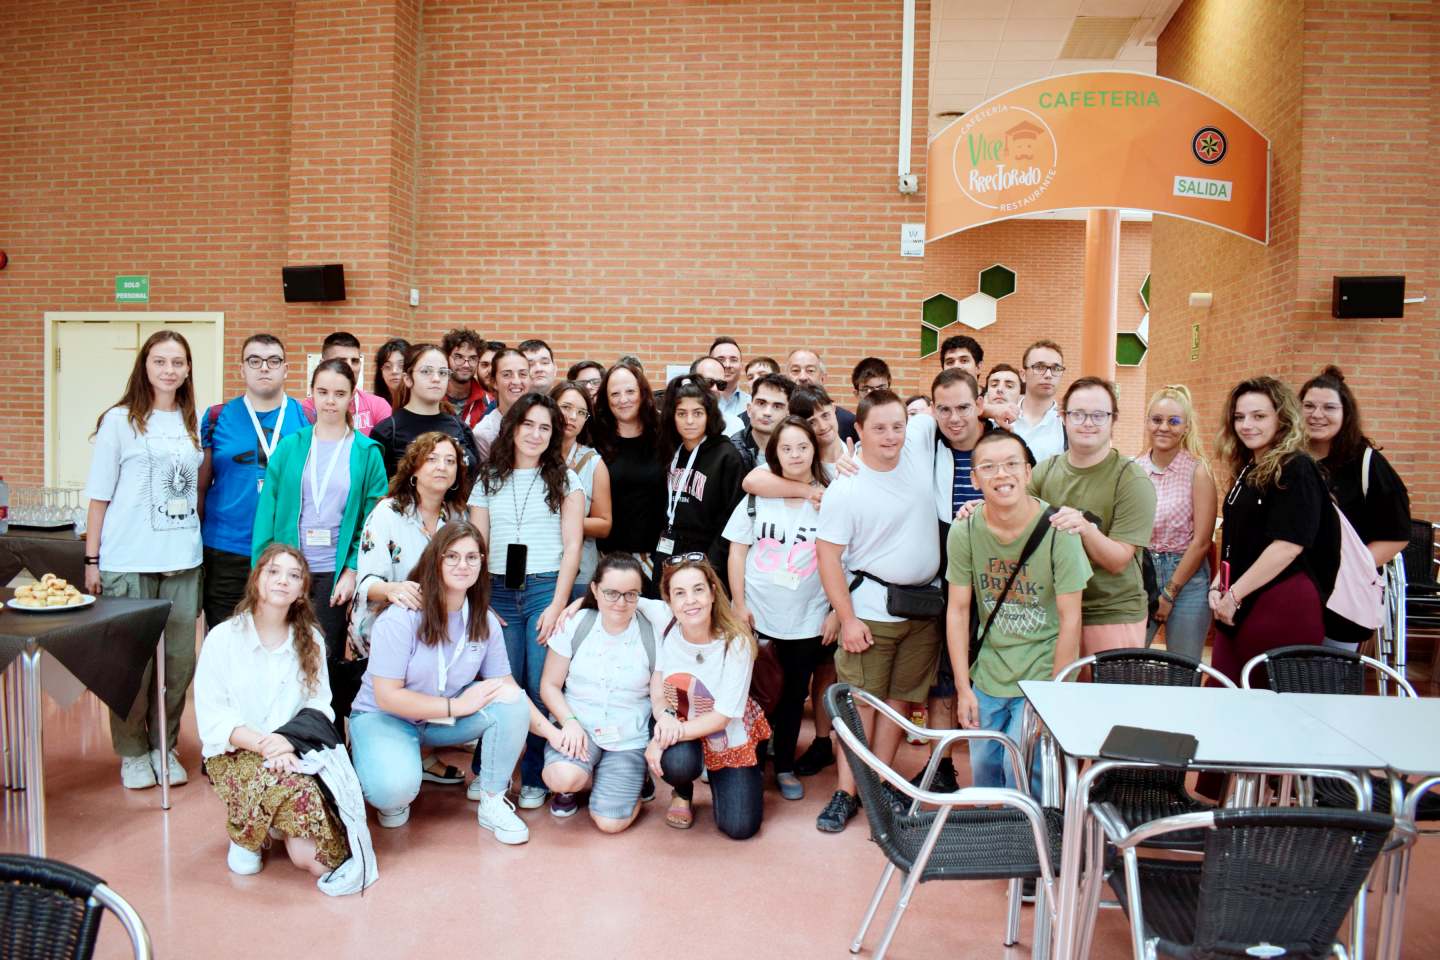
[(42, 552), (107, 645)]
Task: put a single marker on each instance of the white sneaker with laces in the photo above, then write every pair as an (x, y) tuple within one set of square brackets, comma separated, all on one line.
[(533, 798), (497, 814), (136, 773), (473, 791), (394, 818), (178, 776), (242, 861)]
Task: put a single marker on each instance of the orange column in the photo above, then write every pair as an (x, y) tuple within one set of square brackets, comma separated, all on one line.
[(1102, 290)]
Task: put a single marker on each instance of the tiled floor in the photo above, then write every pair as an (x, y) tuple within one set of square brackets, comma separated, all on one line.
[(447, 889)]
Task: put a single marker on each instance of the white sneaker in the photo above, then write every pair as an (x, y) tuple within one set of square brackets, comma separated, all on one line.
[(394, 818), (497, 814), (473, 791), (242, 861), (533, 798), (136, 773), (178, 776)]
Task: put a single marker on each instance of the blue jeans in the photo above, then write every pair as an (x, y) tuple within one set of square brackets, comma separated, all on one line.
[(521, 609), (734, 791), (989, 763), (386, 749), (1189, 619)]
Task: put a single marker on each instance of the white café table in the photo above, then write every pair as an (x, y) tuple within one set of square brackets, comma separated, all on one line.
[(1234, 729)]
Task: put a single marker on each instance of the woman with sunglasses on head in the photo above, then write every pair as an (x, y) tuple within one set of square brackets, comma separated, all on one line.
[(1184, 521), (529, 506), (1365, 486), (775, 582), (390, 369), (423, 409), (439, 677), (626, 432), (576, 411), (705, 719)]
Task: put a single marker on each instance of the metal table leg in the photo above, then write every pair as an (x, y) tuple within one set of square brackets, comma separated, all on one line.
[(1068, 889), (34, 753), (5, 732), (15, 724), (164, 771)]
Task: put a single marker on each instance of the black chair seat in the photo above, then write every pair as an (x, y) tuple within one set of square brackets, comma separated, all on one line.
[(974, 844), (1145, 795), (1337, 795)]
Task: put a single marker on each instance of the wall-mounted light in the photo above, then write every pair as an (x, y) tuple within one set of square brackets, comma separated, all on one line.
[(1202, 301)]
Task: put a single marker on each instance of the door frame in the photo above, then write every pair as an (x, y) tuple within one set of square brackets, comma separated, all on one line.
[(52, 317)]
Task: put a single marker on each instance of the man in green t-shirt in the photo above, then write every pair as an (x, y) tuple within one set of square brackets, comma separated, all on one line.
[(1037, 629)]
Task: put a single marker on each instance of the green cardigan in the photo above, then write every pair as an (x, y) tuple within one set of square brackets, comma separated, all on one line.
[(277, 514)]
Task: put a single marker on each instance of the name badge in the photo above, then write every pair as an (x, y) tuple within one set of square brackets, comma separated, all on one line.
[(665, 546), (786, 579), (177, 507), (473, 646), (442, 721), (317, 538), (607, 735), (260, 485)]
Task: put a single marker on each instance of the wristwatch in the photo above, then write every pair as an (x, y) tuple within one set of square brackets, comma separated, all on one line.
[(670, 712)]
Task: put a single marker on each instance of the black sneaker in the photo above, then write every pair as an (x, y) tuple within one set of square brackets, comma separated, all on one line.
[(944, 780), (839, 811), (819, 755), (647, 792)]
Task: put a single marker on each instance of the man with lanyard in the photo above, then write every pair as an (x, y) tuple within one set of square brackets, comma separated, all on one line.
[(733, 400), (768, 406), (238, 438), (366, 409), (1039, 425), (465, 391)]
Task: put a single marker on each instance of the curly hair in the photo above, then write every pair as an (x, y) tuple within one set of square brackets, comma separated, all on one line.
[(429, 574), (1289, 433), (604, 429), (304, 628), (402, 487), (1350, 441), (724, 625), (495, 471)]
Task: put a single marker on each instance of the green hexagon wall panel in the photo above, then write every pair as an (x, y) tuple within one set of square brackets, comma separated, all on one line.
[(997, 281), (977, 311)]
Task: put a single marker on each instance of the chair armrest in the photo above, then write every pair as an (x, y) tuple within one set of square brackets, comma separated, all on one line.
[(1124, 838)]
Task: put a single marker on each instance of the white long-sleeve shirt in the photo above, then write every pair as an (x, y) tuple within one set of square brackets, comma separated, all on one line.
[(238, 683)]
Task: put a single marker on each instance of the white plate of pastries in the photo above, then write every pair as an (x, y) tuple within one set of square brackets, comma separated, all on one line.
[(50, 595)]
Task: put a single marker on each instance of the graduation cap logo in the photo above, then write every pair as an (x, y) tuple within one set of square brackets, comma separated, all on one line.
[(1208, 145), (1020, 141)]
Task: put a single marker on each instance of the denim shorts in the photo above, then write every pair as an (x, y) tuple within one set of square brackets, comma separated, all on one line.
[(616, 778)]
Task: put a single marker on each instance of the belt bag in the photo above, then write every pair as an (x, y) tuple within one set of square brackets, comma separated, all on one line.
[(923, 602)]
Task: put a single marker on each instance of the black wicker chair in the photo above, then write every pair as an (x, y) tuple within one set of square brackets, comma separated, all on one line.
[(946, 836), (1145, 795), (51, 911), (1273, 882)]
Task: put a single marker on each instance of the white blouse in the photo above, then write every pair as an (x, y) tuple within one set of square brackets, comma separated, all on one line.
[(238, 683), (390, 544)]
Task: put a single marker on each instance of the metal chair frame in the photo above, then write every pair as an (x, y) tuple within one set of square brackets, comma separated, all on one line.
[(1385, 671), (101, 895)]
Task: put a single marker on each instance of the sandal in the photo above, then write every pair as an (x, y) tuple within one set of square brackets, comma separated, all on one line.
[(442, 773), (680, 815)]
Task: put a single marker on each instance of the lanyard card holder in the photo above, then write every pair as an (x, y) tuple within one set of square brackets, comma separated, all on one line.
[(515, 565)]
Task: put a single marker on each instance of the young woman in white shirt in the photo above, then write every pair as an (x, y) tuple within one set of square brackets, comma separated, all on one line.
[(776, 588), (257, 670), (143, 536), (576, 409)]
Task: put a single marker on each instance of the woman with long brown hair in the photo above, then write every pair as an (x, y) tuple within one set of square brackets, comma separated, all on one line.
[(143, 536), (257, 670), (438, 676), (576, 411), (423, 408), (626, 432)]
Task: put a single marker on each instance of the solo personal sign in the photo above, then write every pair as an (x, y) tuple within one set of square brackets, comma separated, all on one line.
[(1105, 139), (132, 289)]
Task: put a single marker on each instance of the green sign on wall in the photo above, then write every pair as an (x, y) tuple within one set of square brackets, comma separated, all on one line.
[(132, 289)]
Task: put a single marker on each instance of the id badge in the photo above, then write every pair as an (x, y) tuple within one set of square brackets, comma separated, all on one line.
[(606, 736), (177, 507), (442, 721), (786, 579), (665, 546), (317, 538), (260, 485)]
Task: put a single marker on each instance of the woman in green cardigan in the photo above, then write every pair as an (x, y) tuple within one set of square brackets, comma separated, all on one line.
[(320, 485)]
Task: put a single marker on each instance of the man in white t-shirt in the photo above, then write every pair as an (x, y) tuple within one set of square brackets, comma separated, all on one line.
[(882, 522), (1039, 424)]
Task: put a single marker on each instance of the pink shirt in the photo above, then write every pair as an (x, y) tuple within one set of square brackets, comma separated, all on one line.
[(1174, 504), (366, 409)]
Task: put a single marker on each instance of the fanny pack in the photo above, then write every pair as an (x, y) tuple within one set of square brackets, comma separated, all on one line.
[(923, 602)]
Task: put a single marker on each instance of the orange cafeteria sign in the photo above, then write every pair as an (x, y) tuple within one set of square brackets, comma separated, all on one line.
[(1106, 139)]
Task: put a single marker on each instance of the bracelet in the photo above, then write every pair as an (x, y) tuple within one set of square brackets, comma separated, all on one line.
[(1167, 596), (92, 561), (568, 719), (1231, 594)]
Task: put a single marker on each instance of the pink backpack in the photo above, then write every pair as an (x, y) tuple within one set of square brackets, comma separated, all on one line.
[(1359, 594)]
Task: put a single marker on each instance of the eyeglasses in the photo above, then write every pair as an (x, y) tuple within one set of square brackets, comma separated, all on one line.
[(865, 389), (959, 410), (1311, 406), (272, 363), (1042, 369), (442, 372), (467, 559), (680, 558), (616, 596), (589, 383), (1010, 467), (1097, 417), (460, 360), (1159, 421), (573, 412)]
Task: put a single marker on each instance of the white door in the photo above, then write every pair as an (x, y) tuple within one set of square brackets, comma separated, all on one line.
[(89, 365)]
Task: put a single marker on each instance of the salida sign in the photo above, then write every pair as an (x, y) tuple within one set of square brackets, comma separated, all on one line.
[(1108, 139)]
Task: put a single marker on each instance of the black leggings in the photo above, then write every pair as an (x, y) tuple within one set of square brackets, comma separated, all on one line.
[(735, 791), (798, 662)]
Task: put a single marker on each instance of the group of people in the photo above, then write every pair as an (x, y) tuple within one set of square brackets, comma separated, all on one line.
[(603, 586)]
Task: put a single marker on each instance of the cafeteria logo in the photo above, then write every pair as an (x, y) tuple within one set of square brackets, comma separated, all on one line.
[(1208, 145), (1004, 157)]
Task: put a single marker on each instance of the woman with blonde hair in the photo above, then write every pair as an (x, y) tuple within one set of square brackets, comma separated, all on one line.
[(1184, 520), (700, 698), (1281, 538)]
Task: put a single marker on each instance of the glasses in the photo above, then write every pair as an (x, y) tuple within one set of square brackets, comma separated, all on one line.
[(1010, 467), (1312, 407), (573, 412), (442, 372), (616, 596), (1047, 369), (589, 383), (960, 410), (1097, 417), (865, 389), (465, 559), (1158, 421), (458, 360), (680, 558), (272, 363), (704, 383)]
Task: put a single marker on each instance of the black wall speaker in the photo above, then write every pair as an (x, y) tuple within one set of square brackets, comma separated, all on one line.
[(1368, 297), (313, 284)]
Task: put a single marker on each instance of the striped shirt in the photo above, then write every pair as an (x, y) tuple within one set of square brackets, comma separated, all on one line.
[(519, 514)]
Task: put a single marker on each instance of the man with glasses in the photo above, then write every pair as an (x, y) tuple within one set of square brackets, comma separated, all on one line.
[(366, 409), (587, 375), (769, 404), (1039, 422), (465, 391), (869, 375), (733, 400), (238, 438)]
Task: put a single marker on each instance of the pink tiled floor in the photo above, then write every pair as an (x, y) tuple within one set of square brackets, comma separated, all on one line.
[(447, 889)]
